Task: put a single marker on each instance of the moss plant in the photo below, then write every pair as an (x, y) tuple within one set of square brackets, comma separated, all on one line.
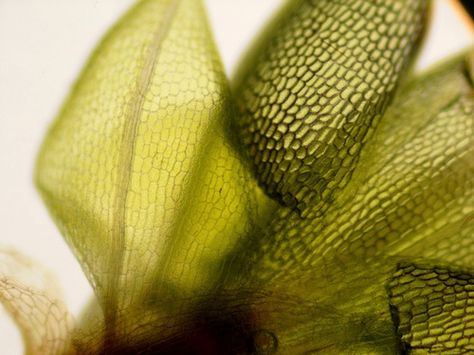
[(322, 202)]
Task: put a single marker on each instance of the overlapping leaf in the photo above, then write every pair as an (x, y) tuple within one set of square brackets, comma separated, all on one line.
[(433, 308), (314, 87), (413, 183), (408, 194)]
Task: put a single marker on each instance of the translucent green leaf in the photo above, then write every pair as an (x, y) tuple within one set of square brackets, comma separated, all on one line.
[(415, 177), (433, 309), (413, 185), (313, 88), (138, 169)]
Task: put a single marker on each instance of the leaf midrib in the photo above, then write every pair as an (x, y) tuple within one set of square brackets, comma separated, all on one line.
[(125, 165)]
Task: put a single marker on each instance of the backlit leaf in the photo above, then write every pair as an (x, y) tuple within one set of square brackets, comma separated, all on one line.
[(433, 309), (412, 186), (138, 169), (27, 293), (314, 87)]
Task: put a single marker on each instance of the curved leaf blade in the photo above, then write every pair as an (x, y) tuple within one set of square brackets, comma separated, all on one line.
[(314, 87), (137, 169)]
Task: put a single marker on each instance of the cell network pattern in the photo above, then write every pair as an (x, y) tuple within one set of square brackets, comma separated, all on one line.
[(320, 203)]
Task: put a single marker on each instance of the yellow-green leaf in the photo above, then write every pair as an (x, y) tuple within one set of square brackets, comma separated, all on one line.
[(313, 88), (413, 185), (432, 309), (138, 169)]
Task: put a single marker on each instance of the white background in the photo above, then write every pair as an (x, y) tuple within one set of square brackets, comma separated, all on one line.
[(43, 45)]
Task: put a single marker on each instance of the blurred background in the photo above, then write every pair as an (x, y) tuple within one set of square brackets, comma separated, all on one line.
[(43, 45)]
